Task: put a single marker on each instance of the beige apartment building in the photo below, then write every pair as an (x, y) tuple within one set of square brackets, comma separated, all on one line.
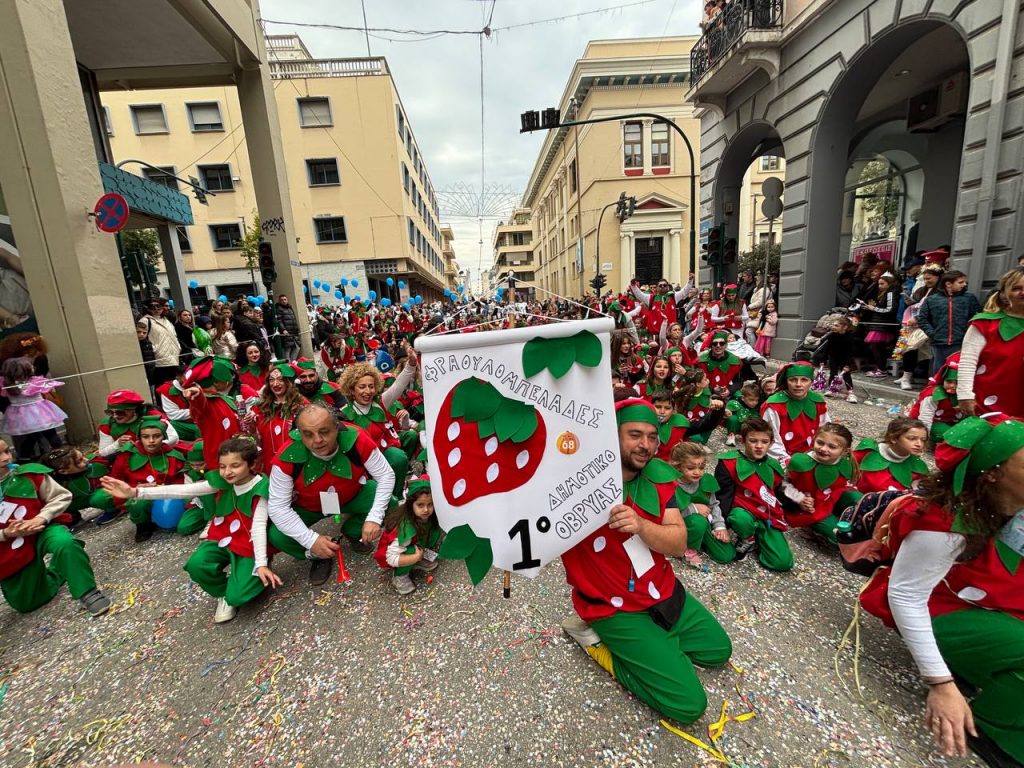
[(513, 252), (363, 204), (582, 170), (753, 227)]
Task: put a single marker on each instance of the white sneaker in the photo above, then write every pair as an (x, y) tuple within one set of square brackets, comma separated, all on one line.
[(403, 584), (905, 382), (731, 441), (580, 631), (224, 611), (851, 398), (90, 513)]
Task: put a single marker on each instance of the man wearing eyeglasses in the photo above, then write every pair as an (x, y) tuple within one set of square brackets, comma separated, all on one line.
[(660, 305), (721, 366)]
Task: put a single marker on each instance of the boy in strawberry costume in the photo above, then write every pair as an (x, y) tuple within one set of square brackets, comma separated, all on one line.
[(148, 461), (632, 611), (821, 481), (72, 469), (750, 483), (31, 503), (329, 460), (172, 402), (955, 589), (209, 381), (794, 412)]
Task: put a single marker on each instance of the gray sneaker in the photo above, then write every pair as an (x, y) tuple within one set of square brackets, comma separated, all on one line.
[(95, 602), (403, 584), (427, 566), (580, 631)]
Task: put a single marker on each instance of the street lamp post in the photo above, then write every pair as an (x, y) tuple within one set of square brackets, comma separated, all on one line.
[(531, 121)]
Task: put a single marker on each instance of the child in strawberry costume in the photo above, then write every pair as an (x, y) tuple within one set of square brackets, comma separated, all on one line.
[(199, 510), (236, 540), (209, 381), (148, 461), (895, 463), (411, 537), (696, 500), (794, 412), (955, 589), (125, 409), (626, 617), (745, 404), (750, 485), (336, 355), (937, 407), (693, 400), (175, 407), (821, 481), (32, 504), (73, 470)]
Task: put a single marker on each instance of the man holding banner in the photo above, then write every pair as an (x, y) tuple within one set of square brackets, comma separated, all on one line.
[(634, 616)]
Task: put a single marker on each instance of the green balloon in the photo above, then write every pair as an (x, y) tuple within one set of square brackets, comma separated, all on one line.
[(202, 339)]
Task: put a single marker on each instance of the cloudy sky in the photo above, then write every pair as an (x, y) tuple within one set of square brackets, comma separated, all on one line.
[(439, 78)]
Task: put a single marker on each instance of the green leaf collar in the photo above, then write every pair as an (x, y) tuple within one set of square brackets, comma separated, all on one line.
[(643, 489), (1010, 327), (808, 406)]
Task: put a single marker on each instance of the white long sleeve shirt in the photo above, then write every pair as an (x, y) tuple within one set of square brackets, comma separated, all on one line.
[(287, 520), (970, 351), (190, 490), (108, 445), (777, 450), (172, 410)]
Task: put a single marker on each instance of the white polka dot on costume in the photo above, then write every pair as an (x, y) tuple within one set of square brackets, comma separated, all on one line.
[(939, 411), (383, 443), (224, 542), (747, 493), (20, 512), (458, 489), (16, 544), (454, 456), (218, 520), (491, 445), (522, 458), (277, 429), (150, 479), (991, 399), (788, 436), (653, 591), (225, 422), (235, 525), (453, 430), (492, 473), (362, 480), (828, 491), (616, 602), (689, 414), (810, 440), (599, 543), (972, 594), (981, 370), (894, 488)]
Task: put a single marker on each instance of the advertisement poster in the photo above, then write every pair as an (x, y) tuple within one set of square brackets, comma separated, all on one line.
[(885, 250), (522, 443)]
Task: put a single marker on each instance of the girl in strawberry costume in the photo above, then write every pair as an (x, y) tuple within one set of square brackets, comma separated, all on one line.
[(895, 463), (336, 354), (236, 540), (938, 406), (625, 359), (695, 498), (955, 589), (730, 311), (750, 483), (659, 379), (693, 399), (794, 412), (149, 461), (368, 408), (821, 481), (990, 359), (31, 506), (411, 538)]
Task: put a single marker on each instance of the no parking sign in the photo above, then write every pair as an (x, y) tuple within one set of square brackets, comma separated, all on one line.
[(111, 212)]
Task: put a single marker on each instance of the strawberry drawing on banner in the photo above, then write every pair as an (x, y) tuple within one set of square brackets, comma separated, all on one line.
[(486, 442), (522, 444)]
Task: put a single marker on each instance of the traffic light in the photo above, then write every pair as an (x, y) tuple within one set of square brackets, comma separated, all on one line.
[(624, 207), (550, 118), (713, 248), (598, 282), (529, 121), (729, 251), (267, 270)]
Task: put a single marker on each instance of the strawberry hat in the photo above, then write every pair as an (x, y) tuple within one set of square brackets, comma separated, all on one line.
[(418, 484), (153, 422), (949, 370), (195, 453), (206, 371), (978, 444), (635, 409), (731, 289), (720, 336), (286, 369), (935, 257), (124, 399), (305, 364)]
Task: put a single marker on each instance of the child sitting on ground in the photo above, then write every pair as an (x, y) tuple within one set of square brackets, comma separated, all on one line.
[(746, 403), (937, 405), (693, 400), (795, 412), (200, 509), (895, 463), (695, 498), (750, 482), (75, 472), (411, 537)]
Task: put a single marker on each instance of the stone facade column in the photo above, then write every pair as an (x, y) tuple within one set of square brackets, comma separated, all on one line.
[(646, 134), (51, 180), (675, 257), (270, 179), (625, 259)]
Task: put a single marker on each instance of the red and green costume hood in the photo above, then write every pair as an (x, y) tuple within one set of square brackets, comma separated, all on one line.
[(20, 494), (231, 526), (825, 483), (877, 473), (757, 485)]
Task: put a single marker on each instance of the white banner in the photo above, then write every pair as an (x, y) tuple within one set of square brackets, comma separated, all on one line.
[(521, 439)]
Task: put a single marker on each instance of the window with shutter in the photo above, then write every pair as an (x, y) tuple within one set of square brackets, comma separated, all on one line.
[(205, 117), (149, 118), (315, 112)]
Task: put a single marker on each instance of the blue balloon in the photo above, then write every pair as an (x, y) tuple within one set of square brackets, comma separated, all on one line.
[(358, 298), (316, 301), (305, 289), (401, 284), (419, 299), (222, 297), (372, 295), (406, 307), (385, 302), (344, 281), (193, 283), (325, 283), (355, 283), (167, 512), (337, 294), (390, 281), (462, 288), (170, 303)]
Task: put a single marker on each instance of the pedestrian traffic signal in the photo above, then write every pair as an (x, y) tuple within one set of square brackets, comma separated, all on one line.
[(713, 248), (266, 259), (729, 251)]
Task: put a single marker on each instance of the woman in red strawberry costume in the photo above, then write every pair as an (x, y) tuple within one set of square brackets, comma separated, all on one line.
[(750, 486), (821, 481), (730, 312), (253, 363), (272, 415), (31, 506), (993, 348), (955, 589), (236, 540), (630, 606), (895, 463), (125, 409), (209, 382), (147, 462), (699, 314), (794, 412), (368, 408), (659, 306)]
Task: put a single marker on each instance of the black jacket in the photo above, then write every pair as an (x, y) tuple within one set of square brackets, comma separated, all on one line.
[(286, 319)]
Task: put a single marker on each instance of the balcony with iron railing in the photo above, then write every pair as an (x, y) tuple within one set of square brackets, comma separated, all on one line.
[(302, 70), (744, 36)]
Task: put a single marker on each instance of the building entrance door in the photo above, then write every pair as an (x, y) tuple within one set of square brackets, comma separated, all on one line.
[(649, 260)]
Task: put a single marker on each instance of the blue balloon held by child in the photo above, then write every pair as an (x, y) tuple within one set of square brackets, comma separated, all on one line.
[(167, 512)]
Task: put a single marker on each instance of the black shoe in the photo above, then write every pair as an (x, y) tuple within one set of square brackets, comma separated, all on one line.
[(95, 602), (320, 570), (358, 545), (144, 532), (744, 547), (990, 752)]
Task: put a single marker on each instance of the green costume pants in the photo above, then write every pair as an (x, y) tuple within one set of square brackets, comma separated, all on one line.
[(657, 666), (986, 648), (698, 536), (827, 528), (195, 518), (206, 567), (186, 430), (700, 439), (399, 462), (139, 511), (36, 584), (410, 442), (99, 499), (355, 513), (733, 424), (773, 549)]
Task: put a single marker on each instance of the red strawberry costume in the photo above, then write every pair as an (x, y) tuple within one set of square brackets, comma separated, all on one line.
[(214, 413), (253, 376), (881, 470), (829, 485), (794, 422), (671, 433), (749, 495), (721, 373), (992, 378)]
